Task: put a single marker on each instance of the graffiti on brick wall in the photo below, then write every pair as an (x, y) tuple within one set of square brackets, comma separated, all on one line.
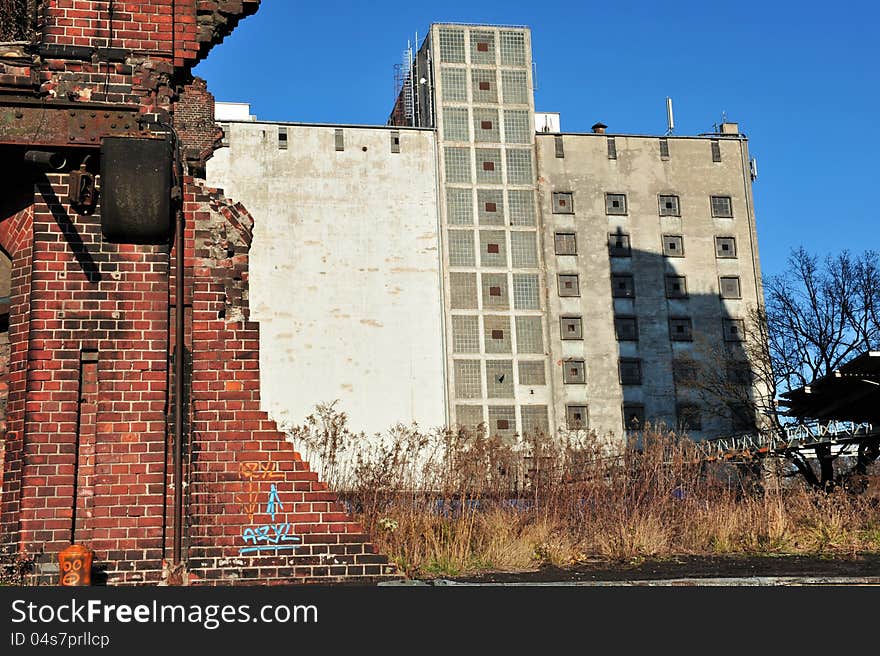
[(270, 536)]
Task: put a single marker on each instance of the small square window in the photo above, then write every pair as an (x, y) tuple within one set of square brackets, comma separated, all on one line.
[(612, 147), (569, 285), (496, 333), (574, 372), (486, 125), (576, 417), (615, 203), (494, 286), (725, 247), (729, 286), (494, 291), (684, 372), (532, 373), (669, 206), (740, 373), (566, 243), (618, 245), (622, 286), (681, 329), (485, 85), (571, 328), (626, 329), (630, 371), (722, 207), (633, 416), (492, 248), (488, 166), (482, 46), (673, 245), (689, 416), (734, 330), (563, 202), (676, 287)]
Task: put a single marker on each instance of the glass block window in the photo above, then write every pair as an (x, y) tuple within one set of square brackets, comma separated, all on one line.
[(689, 416), (626, 329), (519, 166), (576, 417), (488, 165), (502, 421), (569, 284), (734, 330), (730, 287), (486, 126), (490, 206), (615, 203), (725, 247), (455, 124), (454, 81), (458, 164), (622, 286), (499, 379), (529, 335), (571, 328), (496, 334), (521, 206), (563, 202), (523, 250), (669, 206), (459, 206), (630, 370), (722, 207), (468, 379), (525, 291), (463, 290), (673, 245), (484, 89), (633, 416), (681, 329), (494, 286), (618, 245), (465, 334), (532, 372), (534, 420), (493, 248), (451, 45), (515, 87), (469, 415), (566, 243), (517, 128), (461, 248), (513, 48), (574, 372), (482, 48), (676, 287)]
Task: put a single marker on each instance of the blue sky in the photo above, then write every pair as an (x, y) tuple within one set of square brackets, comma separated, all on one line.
[(801, 78)]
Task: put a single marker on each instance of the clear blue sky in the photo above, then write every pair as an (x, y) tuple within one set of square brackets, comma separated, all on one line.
[(801, 78)]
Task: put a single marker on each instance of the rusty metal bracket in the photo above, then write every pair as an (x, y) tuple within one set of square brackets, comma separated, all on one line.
[(33, 123)]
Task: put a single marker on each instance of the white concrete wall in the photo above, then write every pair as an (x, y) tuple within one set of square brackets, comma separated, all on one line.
[(344, 270)]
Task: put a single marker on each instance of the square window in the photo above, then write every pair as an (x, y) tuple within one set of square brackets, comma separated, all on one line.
[(469, 415), (468, 379), (525, 291), (483, 86), (502, 421), (626, 329), (490, 206), (513, 48), (459, 206), (676, 287), (499, 379), (576, 417), (455, 124), (574, 372), (622, 285), (532, 372), (615, 203), (454, 81), (725, 247), (515, 86), (492, 248), (734, 330), (464, 290), (729, 286), (495, 291), (457, 163), (529, 335), (568, 284), (461, 248), (673, 245), (534, 419), (482, 48), (523, 249), (493, 251), (571, 328), (633, 416), (519, 166), (618, 245), (517, 127), (740, 373), (465, 335), (563, 202), (489, 165), (521, 204), (452, 45), (669, 206), (630, 370), (722, 207), (486, 125), (496, 334), (689, 416), (566, 243), (684, 372), (681, 329)]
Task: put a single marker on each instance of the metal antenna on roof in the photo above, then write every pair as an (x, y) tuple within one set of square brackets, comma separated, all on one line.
[(670, 120)]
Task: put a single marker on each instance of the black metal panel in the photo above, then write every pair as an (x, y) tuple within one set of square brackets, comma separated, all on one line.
[(136, 179)]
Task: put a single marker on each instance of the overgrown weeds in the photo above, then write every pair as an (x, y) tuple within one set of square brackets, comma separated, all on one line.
[(449, 502)]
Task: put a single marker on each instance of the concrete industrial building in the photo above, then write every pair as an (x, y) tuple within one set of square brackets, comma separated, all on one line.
[(460, 266)]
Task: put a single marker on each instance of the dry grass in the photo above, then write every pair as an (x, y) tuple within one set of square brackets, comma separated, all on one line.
[(450, 503)]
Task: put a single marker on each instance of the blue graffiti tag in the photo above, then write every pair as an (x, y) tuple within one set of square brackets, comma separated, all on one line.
[(273, 501), (268, 537)]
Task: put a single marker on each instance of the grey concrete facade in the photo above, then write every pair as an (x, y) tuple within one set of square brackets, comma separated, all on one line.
[(465, 271)]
